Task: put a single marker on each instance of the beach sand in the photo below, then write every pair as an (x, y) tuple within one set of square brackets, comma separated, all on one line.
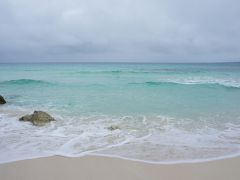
[(108, 168)]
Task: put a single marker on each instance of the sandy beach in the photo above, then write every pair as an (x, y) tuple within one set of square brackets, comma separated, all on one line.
[(119, 90), (108, 168)]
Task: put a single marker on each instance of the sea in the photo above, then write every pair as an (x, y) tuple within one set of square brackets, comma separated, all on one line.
[(161, 113)]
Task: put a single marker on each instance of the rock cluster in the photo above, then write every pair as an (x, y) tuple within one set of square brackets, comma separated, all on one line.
[(38, 118)]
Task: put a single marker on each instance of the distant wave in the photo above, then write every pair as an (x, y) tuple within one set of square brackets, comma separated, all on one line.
[(100, 72), (139, 71), (25, 82), (113, 72), (166, 83)]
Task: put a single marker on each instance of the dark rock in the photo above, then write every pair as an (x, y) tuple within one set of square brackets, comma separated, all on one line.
[(113, 127), (38, 118), (2, 100)]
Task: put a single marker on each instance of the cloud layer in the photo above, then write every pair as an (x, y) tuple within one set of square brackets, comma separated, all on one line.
[(126, 30)]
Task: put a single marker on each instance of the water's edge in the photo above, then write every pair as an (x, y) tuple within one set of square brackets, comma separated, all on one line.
[(131, 159)]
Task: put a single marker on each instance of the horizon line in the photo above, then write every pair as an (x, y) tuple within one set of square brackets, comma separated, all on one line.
[(118, 62)]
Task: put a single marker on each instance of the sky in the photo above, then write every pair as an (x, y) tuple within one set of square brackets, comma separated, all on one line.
[(119, 31)]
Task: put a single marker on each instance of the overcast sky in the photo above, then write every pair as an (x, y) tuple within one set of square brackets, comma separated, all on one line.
[(119, 30)]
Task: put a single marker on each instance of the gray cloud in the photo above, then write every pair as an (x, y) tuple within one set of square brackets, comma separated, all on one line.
[(127, 30)]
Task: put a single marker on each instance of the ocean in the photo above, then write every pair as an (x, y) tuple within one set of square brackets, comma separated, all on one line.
[(166, 113)]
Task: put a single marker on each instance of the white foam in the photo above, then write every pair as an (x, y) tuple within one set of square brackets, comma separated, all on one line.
[(224, 81), (144, 135)]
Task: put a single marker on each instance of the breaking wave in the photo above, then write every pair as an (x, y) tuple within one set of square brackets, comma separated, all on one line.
[(209, 85)]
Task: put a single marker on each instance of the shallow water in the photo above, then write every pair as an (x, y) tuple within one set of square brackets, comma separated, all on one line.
[(166, 112)]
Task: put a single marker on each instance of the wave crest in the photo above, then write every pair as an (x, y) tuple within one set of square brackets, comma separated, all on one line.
[(25, 82), (166, 83)]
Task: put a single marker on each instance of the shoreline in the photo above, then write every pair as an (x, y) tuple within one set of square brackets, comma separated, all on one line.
[(188, 161), (106, 168), (237, 155)]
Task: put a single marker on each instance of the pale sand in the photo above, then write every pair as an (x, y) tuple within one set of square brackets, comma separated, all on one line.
[(105, 168)]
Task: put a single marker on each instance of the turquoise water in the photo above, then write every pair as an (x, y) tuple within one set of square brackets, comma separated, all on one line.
[(165, 112)]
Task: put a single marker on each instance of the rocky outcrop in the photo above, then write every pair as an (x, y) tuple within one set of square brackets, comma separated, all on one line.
[(38, 118), (113, 127), (2, 100)]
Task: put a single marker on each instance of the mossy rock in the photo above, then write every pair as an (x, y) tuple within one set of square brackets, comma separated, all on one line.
[(38, 118)]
